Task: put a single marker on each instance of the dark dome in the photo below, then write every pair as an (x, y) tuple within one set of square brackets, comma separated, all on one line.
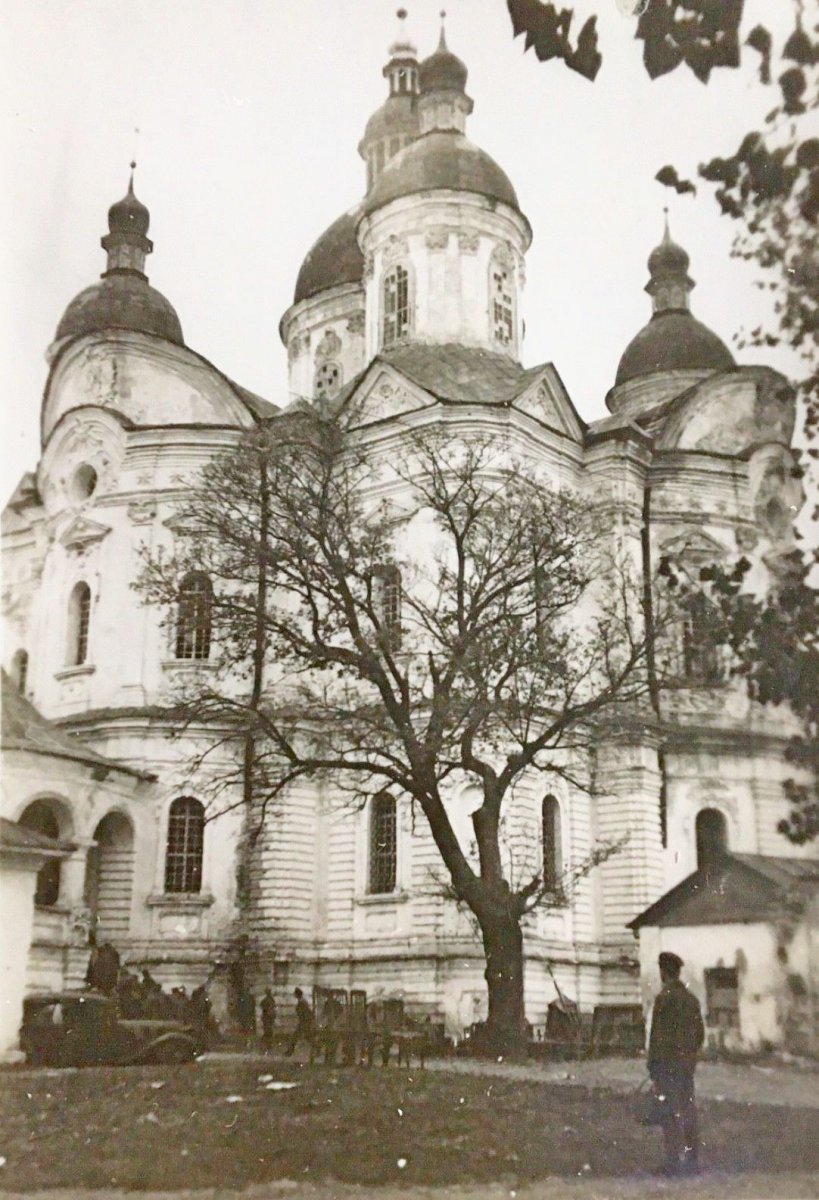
[(668, 258), (439, 160), (396, 115), (334, 259), (673, 340), (129, 214), (123, 301), (442, 70)]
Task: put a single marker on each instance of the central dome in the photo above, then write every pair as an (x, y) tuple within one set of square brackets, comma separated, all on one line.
[(441, 160)]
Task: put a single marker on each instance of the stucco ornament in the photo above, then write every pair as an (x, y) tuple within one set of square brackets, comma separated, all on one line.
[(396, 248), (355, 323), (468, 242), (142, 512), (437, 238), (329, 346)]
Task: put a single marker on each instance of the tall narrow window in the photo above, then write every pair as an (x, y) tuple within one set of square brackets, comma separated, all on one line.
[(79, 624), (712, 836), (700, 652), (552, 845), (389, 605), (193, 620), (41, 818), (396, 306), (503, 326), (383, 844), (186, 839), (19, 670)]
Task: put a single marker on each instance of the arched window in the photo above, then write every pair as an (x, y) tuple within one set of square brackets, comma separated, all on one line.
[(186, 842), (79, 624), (503, 304), (396, 306), (383, 844), (193, 620), (712, 836), (552, 844), (19, 670), (41, 818), (328, 380), (388, 599), (700, 652)]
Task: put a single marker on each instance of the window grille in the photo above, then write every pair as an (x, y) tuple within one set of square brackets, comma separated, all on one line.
[(193, 622), (502, 317), (722, 997), (390, 606), (396, 306), (383, 844), (700, 653), (552, 847), (186, 840), (328, 380), (79, 623)]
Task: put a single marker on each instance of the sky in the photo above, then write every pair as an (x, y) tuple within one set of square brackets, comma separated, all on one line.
[(244, 117)]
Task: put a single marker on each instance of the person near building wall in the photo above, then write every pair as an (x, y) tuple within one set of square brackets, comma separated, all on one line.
[(677, 1033)]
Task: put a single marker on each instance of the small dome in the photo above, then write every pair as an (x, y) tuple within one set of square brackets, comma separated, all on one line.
[(443, 70), (129, 214), (673, 340), (396, 115), (668, 259), (334, 259), (441, 160), (121, 301)]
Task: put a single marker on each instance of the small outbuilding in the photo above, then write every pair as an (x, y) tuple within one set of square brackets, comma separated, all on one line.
[(747, 929)]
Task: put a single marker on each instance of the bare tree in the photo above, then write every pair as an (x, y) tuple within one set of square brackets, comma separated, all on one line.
[(407, 622)]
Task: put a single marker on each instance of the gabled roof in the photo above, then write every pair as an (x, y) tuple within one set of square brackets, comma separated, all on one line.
[(24, 728), (462, 374), (737, 888)]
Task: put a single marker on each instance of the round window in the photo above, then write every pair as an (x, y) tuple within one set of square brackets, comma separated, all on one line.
[(84, 483)]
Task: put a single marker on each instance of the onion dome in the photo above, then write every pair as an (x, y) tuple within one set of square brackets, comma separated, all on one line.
[(123, 298), (673, 340), (442, 71), (333, 260), (395, 124), (441, 160)]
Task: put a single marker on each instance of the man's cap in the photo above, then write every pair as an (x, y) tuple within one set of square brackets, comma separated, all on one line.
[(670, 961)]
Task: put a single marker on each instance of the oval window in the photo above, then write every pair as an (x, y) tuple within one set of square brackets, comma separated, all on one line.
[(84, 483)]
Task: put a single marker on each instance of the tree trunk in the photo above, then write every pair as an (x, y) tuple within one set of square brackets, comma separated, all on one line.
[(503, 947)]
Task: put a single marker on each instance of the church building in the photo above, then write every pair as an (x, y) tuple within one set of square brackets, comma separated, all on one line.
[(413, 302)]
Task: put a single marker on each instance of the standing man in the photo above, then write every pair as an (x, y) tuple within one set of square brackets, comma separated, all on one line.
[(305, 1024), (268, 1011), (677, 1033)]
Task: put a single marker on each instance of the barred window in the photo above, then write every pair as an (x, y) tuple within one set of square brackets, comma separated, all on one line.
[(396, 306), (383, 844), (722, 997), (328, 380), (503, 327), (552, 844), (79, 624), (700, 653), (186, 839), (389, 605), (193, 621)]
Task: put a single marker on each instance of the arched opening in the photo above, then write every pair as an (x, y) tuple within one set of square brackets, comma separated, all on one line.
[(552, 844), (79, 624), (712, 836), (41, 816), (185, 846), (327, 381), (396, 306), (389, 602), (109, 877), (383, 844), (19, 671), (84, 482), (502, 302), (193, 619)]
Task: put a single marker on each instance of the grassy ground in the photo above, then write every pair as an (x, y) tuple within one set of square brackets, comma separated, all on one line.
[(115, 1127)]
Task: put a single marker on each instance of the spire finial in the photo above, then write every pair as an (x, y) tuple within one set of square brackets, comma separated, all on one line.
[(442, 40), (667, 231), (131, 180)]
